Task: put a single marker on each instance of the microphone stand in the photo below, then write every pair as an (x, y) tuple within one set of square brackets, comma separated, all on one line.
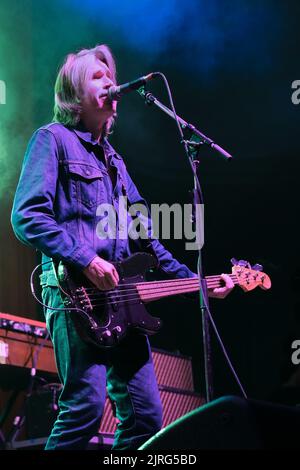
[(192, 148)]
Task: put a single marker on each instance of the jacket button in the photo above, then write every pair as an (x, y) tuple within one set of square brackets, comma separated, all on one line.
[(87, 172)]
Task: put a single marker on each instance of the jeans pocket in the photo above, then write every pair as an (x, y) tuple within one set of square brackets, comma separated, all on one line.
[(50, 295)]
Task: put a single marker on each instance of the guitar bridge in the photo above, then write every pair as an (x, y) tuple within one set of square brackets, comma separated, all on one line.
[(82, 299)]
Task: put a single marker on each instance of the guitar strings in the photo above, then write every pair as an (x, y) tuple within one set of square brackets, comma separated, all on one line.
[(143, 287), (123, 293), (175, 281), (128, 297)]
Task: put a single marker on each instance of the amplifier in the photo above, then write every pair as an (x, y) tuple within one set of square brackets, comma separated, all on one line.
[(41, 410), (173, 370), (175, 404)]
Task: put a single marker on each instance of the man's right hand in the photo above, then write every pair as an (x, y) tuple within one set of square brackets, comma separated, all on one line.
[(102, 273)]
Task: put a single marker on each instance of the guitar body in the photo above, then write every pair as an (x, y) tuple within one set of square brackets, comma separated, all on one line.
[(104, 318)]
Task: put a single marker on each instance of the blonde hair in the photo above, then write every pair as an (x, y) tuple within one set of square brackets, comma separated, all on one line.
[(70, 83)]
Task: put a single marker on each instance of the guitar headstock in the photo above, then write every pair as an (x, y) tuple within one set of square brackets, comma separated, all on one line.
[(249, 277)]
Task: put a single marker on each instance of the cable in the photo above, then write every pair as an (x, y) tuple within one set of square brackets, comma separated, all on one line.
[(91, 320)]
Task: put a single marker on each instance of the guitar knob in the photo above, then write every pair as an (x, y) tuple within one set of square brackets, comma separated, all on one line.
[(106, 334)]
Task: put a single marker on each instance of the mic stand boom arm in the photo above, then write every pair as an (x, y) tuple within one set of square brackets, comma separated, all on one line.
[(150, 99)]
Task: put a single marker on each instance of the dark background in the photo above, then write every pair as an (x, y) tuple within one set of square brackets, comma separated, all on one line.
[(230, 66)]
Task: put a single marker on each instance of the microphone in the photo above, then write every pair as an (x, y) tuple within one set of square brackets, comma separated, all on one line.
[(115, 92)]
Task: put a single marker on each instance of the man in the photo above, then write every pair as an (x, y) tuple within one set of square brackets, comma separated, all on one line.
[(68, 171)]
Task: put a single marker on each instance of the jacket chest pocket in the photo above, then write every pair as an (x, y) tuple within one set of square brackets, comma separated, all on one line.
[(86, 183)]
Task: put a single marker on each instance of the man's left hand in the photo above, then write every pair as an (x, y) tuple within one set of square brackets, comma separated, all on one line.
[(222, 292)]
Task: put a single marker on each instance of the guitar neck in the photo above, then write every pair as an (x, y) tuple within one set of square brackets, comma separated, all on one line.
[(155, 290)]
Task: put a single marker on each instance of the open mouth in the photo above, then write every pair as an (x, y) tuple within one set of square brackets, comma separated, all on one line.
[(103, 95), (104, 100)]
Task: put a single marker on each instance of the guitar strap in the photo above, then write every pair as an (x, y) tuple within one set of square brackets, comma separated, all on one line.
[(146, 242)]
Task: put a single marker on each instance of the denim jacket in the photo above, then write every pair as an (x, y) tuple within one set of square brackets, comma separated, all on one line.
[(61, 185)]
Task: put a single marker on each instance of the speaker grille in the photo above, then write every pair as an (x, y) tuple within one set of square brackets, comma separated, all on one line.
[(173, 371), (109, 422), (175, 404)]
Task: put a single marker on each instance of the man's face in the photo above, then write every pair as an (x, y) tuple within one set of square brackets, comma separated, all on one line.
[(94, 100)]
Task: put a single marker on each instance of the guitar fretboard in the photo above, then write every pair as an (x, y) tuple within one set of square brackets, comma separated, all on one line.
[(155, 290)]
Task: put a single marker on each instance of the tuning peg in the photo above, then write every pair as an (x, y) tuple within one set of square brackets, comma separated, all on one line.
[(244, 263), (241, 262), (257, 267)]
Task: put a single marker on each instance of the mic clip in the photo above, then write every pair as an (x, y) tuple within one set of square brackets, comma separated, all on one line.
[(192, 143), (148, 97)]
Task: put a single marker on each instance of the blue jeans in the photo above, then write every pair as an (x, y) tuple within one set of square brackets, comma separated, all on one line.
[(85, 371)]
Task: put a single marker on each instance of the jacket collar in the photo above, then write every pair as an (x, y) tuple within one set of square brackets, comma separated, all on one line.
[(86, 136)]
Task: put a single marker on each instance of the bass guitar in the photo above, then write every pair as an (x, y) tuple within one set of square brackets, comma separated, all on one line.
[(104, 318)]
